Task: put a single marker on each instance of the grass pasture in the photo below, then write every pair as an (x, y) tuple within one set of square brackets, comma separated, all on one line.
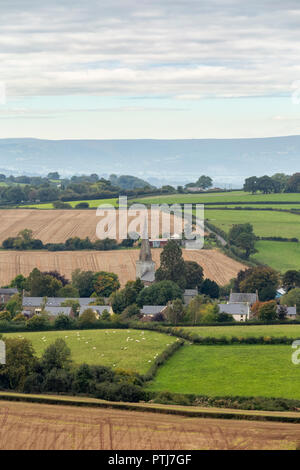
[(125, 349), (239, 370), (245, 331), (282, 256), (215, 198), (265, 223)]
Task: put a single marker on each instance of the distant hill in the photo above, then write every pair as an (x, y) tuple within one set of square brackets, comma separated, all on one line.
[(225, 160)]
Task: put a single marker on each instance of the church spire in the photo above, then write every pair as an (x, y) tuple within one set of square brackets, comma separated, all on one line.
[(145, 252)]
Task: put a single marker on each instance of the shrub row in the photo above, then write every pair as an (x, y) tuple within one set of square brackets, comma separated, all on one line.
[(279, 239), (12, 327), (162, 358), (211, 340), (233, 402)]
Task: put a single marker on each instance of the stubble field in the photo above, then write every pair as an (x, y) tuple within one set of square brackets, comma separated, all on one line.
[(27, 426), (216, 265)]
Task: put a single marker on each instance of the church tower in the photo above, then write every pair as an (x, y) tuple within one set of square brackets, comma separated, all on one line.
[(145, 266)]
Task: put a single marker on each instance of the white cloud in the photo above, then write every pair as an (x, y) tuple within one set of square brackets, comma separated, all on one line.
[(190, 50)]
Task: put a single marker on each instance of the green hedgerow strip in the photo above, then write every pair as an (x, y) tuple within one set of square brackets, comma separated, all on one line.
[(161, 359), (211, 340)]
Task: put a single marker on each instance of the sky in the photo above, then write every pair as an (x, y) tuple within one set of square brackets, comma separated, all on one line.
[(133, 69)]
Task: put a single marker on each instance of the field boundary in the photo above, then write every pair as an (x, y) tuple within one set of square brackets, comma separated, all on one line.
[(284, 417)]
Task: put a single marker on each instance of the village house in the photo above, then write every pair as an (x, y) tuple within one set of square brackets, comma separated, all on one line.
[(189, 294), (149, 312), (291, 312), (240, 311), (34, 305), (158, 242), (239, 305), (6, 294)]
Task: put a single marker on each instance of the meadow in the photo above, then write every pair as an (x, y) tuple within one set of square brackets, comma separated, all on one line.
[(282, 256), (244, 331), (239, 370), (122, 349), (265, 223), (215, 198)]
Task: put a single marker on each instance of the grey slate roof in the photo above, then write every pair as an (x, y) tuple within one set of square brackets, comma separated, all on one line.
[(55, 311), (234, 309), (242, 297), (152, 309), (53, 301), (8, 291), (290, 310), (97, 308)]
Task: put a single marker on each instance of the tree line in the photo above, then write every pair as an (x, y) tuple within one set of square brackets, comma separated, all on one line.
[(278, 183)]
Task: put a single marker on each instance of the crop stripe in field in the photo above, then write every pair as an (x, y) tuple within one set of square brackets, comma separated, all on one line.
[(200, 413)]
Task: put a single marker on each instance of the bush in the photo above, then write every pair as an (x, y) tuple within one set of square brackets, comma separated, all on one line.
[(82, 205), (63, 322), (120, 392), (38, 322)]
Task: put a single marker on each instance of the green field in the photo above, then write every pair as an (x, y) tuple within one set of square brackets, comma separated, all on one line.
[(233, 196), (93, 203), (106, 347), (265, 223), (239, 370), (282, 256), (291, 331), (275, 205)]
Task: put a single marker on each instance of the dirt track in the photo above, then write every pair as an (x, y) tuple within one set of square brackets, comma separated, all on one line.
[(26, 426), (216, 265)]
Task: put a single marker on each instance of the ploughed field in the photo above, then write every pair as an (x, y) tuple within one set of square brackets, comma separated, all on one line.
[(216, 265), (121, 349), (31, 426)]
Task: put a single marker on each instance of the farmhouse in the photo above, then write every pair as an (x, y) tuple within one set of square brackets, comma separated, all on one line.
[(6, 294), (34, 305), (150, 311), (189, 294), (240, 310), (158, 242), (291, 312), (239, 305)]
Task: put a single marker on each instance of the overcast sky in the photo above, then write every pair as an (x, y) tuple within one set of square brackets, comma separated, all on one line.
[(149, 68)]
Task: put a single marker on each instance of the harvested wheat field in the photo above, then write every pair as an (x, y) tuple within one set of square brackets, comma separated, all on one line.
[(216, 265), (28, 426), (56, 226)]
